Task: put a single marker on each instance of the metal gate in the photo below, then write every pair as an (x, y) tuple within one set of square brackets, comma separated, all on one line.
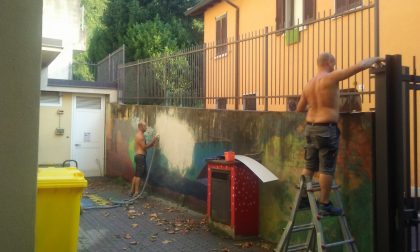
[(396, 175)]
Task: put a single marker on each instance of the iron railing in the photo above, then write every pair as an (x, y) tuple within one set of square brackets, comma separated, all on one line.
[(105, 72), (397, 180), (263, 70)]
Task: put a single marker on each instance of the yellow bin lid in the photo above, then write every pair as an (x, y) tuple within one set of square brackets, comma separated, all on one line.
[(59, 177)]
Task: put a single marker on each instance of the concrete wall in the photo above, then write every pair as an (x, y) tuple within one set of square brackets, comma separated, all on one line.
[(62, 20), (20, 64), (188, 136), (55, 149)]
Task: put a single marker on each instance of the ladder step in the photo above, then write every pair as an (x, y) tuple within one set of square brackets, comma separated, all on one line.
[(303, 227), (318, 188), (297, 247), (335, 244)]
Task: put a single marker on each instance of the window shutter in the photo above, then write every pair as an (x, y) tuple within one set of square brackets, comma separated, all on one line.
[(309, 13), (218, 31), (280, 17), (340, 5), (354, 3), (224, 29), (224, 34)]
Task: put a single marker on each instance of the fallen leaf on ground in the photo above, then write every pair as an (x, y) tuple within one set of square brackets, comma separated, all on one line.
[(171, 232), (124, 248), (127, 236), (225, 250), (166, 241), (106, 214), (153, 238), (134, 225), (265, 245), (244, 244), (134, 243)]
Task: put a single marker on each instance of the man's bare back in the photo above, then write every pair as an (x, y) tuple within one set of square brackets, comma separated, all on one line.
[(320, 97), (322, 100)]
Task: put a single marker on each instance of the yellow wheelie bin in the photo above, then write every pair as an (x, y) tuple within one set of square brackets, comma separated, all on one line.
[(58, 209)]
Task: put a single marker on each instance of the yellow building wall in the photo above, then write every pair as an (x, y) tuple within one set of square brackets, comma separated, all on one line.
[(55, 149), (398, 31), (289, 66)]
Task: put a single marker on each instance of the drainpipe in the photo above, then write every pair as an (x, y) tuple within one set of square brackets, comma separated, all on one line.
[(237, 54), (377, 49)]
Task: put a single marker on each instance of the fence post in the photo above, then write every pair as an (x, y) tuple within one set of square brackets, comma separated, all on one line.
[(109, 67), (266, 69), (138, 82), (391, 121)]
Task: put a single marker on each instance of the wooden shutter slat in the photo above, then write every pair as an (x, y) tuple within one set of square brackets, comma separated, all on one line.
[(280, 17), (309, 10)]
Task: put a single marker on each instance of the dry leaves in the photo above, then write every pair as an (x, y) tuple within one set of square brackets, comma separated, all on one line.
[(166, 241), (134, 242), (153, 237), (245, 245), (127, 236), (134, 225)]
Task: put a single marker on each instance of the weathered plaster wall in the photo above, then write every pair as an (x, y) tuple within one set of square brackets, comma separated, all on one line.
[(20, 67), (188, 136)]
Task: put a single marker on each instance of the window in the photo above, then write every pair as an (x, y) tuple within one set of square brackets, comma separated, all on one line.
[(281, 14), (309, 10), (83, 102), (345, 5), (221, 35), (49, 98), (294, 12)]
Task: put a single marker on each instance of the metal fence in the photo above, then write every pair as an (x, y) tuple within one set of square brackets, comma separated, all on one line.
[(262, 70), (104, 73), (397, 176), (107, 68)]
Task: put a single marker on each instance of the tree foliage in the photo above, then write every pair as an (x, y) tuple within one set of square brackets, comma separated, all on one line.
[(146, 27)]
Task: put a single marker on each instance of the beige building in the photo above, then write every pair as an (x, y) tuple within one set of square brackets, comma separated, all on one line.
[(72, 113)]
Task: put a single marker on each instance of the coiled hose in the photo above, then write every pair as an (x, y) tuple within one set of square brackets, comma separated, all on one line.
[(124, 202)]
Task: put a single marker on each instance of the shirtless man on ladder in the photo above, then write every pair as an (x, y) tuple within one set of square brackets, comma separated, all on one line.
[(320, 99)]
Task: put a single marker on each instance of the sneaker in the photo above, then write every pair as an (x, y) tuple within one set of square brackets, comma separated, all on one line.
[(329, 210)]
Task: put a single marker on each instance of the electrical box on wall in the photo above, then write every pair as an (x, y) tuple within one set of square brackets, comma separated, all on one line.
[(59, 131)]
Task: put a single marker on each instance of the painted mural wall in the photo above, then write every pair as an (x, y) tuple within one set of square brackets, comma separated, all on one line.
[(189, 136)]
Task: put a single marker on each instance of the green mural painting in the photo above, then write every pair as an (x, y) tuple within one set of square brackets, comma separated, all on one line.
[(189, 136)]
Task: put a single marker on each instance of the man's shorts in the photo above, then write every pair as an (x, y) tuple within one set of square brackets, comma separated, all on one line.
[(321, 147), (141, 168)]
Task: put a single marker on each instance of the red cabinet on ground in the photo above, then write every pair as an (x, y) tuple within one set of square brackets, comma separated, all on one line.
[(233, 198)]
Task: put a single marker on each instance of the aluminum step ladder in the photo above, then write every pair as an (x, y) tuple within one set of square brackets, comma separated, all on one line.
[(315, 236)]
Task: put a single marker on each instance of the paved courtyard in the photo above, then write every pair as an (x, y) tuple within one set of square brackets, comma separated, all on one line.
[(151, 224)]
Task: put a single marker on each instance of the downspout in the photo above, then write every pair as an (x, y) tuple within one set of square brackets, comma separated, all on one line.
[(377, 48), (237, 54)]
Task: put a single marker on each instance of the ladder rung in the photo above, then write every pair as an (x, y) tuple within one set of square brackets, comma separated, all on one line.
[(303, 227), (297, 247), (318, 188), (335, 244)]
